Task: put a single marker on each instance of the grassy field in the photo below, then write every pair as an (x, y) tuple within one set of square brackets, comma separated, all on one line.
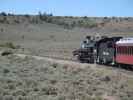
[(31, 79), (54, 40)]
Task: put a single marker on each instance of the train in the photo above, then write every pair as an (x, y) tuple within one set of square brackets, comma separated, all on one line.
[(106, 50)]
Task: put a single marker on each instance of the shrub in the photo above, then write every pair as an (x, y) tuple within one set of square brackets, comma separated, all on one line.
[(10, 14), (4, 20), (6, 53), (9, 45), (27, 16), (49, 20), (106, 79), (85, 17), (73, 24), (43, 17), (54, 65), (92, 25), (2, 29), (16, 21), (35, 20), (50, 91), (19, 92), (3, 14), (46, 17), (6, 71)]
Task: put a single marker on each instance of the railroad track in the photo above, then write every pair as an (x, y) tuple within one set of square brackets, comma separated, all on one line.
[(62, 58), (119, 69), (74, 61), (109, 67)]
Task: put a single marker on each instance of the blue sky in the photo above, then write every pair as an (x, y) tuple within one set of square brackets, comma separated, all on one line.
[(70, 7)]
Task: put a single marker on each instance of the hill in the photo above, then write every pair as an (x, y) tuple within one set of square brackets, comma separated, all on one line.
[(47, 73), (45, 34), (24, 77)]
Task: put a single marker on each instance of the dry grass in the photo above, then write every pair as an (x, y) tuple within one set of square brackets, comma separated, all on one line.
[(29, 79), (9, 45)]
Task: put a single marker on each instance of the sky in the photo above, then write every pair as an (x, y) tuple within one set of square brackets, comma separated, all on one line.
[(119, 8)]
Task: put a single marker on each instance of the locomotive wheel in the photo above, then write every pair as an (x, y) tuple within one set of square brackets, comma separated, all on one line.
[(98, 61), (80, 59), (104, 61)]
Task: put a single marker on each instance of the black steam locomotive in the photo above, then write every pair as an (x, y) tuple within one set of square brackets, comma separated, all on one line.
[(106, 50)]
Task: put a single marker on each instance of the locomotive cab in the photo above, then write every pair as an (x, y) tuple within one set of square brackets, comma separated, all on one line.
[(106, 50)]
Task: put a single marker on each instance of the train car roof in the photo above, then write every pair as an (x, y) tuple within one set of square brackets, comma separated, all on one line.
[(125, 41), (109, 39)]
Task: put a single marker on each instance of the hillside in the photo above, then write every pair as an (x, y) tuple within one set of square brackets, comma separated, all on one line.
[(40, 64), (55, 35), (32, 78)]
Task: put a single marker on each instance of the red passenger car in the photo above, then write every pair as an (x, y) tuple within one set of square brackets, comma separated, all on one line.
[(124, 51)]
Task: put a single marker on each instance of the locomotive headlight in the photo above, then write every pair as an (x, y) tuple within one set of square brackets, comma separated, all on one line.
[(95, 51), (105, 53)]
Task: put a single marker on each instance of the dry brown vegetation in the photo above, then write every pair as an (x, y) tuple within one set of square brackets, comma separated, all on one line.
[(67, 22), (9, 45), (55, 36), (31, 79)]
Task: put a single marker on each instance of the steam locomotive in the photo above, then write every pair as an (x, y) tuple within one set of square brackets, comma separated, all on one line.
[(106, 50)]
